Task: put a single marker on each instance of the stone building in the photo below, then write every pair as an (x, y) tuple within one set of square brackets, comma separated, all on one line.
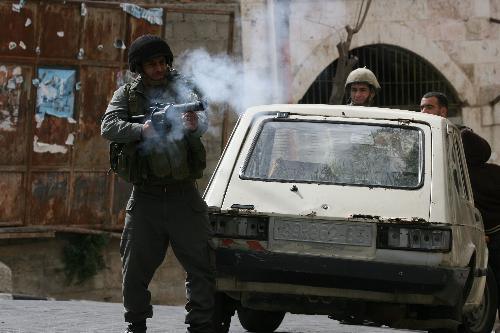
[(258, 51), (457, 40)]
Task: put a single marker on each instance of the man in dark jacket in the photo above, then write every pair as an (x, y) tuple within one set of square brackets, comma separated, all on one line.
[(485, 182), (165, 206), (484, 178)]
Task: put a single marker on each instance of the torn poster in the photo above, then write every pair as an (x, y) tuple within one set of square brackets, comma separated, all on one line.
[(16, 7), (152, 15), (11, 81), (42, 147), (55, 93)]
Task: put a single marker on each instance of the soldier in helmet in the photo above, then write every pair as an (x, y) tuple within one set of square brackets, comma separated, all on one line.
[(361, 87), (165, 206)]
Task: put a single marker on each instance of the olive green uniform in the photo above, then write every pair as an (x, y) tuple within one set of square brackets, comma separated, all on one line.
[(165, 206)]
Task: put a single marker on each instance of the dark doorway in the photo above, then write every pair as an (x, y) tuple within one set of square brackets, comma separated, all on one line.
[(403, 75)]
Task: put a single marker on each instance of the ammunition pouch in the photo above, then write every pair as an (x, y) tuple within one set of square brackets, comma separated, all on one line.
[(126, 162)]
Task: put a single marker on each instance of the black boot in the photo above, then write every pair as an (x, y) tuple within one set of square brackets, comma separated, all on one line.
[(137, 327), (203, 328)]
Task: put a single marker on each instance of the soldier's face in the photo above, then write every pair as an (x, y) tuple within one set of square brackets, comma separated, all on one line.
[(431, 105), (155, 68), (361, 94)]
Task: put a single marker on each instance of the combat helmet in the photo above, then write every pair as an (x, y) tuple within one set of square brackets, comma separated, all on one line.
[(362, 75), (146, 47)]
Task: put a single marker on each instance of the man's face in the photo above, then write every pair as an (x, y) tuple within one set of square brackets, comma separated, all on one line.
[(361, 94), (155, 68), (431, 105)]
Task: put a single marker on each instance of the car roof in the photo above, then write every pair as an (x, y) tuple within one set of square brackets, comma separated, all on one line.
[(347, 111)]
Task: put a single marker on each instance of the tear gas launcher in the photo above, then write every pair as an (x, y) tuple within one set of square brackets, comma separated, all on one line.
[(164, 116)]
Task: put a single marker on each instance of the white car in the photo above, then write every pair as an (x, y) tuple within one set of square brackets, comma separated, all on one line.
[(363, 214)]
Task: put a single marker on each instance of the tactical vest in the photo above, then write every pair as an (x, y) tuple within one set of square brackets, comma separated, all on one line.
[(174, 161)]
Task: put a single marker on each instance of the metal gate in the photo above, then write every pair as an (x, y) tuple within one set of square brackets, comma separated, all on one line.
[(60, 63), (403, 75)]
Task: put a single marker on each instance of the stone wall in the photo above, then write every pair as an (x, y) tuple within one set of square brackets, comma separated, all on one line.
[(38, 270), (457, 37)]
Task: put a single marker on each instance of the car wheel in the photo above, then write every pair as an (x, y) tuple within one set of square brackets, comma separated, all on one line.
[(224, 309), (259, 321), (482, 319)]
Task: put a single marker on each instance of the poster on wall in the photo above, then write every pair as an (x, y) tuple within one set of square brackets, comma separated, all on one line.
[(11, 85), (55, 93)]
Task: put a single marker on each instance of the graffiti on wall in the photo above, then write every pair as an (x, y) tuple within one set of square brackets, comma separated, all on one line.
[(11, 80)]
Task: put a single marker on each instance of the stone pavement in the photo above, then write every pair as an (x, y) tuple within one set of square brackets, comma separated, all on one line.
[(29, 316)]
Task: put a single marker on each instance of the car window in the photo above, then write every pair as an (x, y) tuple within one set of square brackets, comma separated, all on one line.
[(339, 153)]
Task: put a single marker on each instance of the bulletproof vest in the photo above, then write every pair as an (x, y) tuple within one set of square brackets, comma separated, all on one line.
[(163, 161)]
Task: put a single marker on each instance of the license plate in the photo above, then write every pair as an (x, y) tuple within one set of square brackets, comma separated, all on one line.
[(324, 232)]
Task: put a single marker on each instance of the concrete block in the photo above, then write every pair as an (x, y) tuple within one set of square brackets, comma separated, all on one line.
[(5, 296), (445, 30), (477, 28), (477, 51), (487, 116), (221, 30), (175, 17), (169, 31), (184, 30), (458, 10), (481, 8), (205, 30), (471, 117), (488, 93), (495, 111), (5, 279), (396, 10), (487, 74)]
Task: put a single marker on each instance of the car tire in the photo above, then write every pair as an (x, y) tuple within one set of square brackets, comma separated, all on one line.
[(259, 321), (483, 318)]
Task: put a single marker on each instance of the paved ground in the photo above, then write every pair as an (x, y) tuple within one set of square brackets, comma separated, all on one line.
[(27, 316)]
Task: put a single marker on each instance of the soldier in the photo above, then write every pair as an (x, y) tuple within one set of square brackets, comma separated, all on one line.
[(361, 86), (165, 206)]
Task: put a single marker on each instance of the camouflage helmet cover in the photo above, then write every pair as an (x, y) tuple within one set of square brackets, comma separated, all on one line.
[(362, 75)]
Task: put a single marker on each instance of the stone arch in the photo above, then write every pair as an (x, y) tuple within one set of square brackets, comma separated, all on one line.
[(392, 34)]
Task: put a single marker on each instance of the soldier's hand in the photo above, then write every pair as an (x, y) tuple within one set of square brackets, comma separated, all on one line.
[(148, 130), (190, 120)]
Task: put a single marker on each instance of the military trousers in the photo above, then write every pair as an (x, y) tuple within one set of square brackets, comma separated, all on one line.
[(156, 217)]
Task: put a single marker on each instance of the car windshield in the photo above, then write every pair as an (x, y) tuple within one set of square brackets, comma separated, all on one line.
[(338, 153)]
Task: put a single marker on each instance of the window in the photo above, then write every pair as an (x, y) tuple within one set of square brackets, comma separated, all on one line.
[(338, 153)]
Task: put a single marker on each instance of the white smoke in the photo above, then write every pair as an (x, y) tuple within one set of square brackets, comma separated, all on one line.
[(222, 79)]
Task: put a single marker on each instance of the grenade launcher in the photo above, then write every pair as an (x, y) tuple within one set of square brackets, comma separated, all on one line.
[(162, 115)]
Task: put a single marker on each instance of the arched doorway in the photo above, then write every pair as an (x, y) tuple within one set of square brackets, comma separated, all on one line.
[(403, 75)]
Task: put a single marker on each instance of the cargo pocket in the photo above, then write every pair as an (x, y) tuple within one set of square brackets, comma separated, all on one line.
[(127, 228)]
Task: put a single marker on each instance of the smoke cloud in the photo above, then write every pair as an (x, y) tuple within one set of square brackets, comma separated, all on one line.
[(222, 79)]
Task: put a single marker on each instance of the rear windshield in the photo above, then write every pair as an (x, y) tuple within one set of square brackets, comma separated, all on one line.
[(336, 153)]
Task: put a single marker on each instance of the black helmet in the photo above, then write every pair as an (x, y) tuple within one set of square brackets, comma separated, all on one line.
[(146, 47)]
